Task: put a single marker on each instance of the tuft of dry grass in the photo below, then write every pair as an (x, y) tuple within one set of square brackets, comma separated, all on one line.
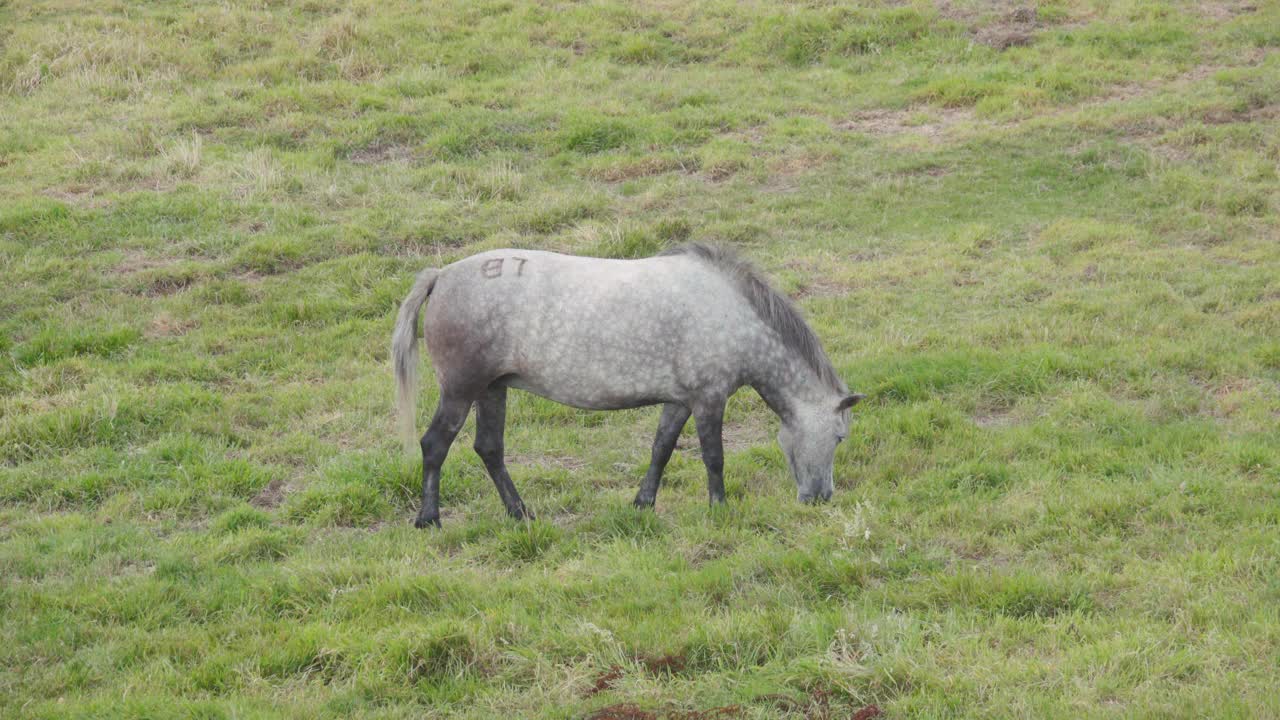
[(184, 155), (258, 172)]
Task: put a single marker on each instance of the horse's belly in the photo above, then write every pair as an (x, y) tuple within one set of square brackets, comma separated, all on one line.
[(591, 392)]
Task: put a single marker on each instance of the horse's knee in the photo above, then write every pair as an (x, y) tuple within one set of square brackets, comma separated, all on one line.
[(490, 453), (434, 450)]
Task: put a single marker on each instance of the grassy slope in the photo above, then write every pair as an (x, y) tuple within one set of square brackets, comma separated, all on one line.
[(1053, 267)]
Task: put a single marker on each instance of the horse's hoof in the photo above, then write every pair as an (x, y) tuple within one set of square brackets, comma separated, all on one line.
[(426, 522), (643, 503), (521, 513)]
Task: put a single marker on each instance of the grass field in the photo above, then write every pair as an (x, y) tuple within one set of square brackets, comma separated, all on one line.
[(1043, 239)]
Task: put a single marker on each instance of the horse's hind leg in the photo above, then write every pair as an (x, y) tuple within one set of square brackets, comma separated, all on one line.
[(674, 416), (491, 423), (710, 420), (446, 423)]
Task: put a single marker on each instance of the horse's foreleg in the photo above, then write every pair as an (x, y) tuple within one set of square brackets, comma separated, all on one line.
[(448, 420), (491, 422), (674, 416), (710, 422)]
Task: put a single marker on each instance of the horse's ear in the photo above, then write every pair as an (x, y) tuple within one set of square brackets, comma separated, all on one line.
[(850, 401)]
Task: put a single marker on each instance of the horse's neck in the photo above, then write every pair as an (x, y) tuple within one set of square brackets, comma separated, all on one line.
[(787, 386)]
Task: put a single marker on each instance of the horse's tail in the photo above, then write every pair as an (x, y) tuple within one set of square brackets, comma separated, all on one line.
[(404, 353)]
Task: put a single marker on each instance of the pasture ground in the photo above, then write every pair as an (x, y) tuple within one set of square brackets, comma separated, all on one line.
[(1042, 237)]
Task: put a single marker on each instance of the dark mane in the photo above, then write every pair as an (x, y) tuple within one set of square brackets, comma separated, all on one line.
[(773, 308)]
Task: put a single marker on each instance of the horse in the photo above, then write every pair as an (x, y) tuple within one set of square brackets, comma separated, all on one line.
[(685, 328)]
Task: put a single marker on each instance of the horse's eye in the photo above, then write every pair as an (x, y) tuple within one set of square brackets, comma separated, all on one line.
[(840, 438)]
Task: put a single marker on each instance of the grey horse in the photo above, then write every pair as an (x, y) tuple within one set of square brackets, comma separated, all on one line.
[(684, 329)]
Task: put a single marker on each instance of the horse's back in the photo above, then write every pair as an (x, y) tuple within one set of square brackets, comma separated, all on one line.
[(590, 332)]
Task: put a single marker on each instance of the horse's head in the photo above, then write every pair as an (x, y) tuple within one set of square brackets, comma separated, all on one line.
[(809, 437)]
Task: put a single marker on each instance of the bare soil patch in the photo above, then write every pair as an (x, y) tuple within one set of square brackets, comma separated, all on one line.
[(817, 706), (1225, 9), (165, 325), (135, 262), (817, 280), (605, 680), (381, 153), (993, 417), (743, 435), (270, 496), (931, 123), (1000, 25), (664, 664), (784, 169), (1015, 29), (706, 551)]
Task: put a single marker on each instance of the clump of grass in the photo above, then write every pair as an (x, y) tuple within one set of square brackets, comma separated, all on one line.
[(806, 37), (594, 134), (528, 540), (673, 231), (254, 545), (627, 522), (428, 652), (498, 181), (647, 50), (56, 342), (339, 504), (185, 155), (241, 518), (1019, 595), (259, 172), (310, 651), (977, 477), (1066, 238), (272, 255), (621, 242), (33, 217), (563, 214)]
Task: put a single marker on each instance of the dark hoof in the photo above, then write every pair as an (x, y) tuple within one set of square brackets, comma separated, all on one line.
[(426, 522), (815, 499), (643, 503), (521, 512)]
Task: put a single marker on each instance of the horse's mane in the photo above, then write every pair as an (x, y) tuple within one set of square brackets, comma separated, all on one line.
[(773, 308)]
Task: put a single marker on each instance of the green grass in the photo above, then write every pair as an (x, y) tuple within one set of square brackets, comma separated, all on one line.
[(1044, 241)]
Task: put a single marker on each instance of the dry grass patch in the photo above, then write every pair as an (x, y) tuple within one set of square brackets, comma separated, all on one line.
[(272, 495), (380, 152), (932, 124), (184, 155), (570, 463), (632, 169), (817, 278), (166, 325)]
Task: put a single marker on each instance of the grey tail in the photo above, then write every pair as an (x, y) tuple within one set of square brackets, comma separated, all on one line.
[(404, 354)]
